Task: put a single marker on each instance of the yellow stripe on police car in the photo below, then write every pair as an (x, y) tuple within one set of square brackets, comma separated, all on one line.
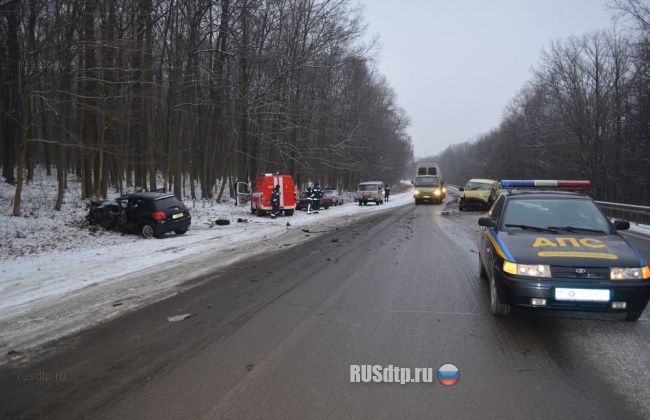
[(567, 241)]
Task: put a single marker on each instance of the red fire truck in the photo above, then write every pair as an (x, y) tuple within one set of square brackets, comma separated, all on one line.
[(263, 188)]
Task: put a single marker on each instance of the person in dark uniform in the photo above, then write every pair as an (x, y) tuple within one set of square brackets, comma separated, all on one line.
[(309, 200), (387, 192), (275, 201), (316, 195)]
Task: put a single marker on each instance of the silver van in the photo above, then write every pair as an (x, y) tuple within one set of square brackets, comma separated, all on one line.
[(371, 191)]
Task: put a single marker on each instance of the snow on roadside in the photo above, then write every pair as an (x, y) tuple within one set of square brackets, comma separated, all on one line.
[(57, 277)]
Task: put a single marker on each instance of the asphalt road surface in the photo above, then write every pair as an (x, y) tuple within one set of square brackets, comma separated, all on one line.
[(276, 337)]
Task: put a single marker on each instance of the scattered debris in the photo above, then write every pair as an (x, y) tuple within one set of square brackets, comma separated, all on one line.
[(335, 239), (445, 213), (93, 229), (20, 235), (240, 220), (250, 366), (218, 222), (13, 353), (117, 304), (180, 317), (319, 231), (288, 224)]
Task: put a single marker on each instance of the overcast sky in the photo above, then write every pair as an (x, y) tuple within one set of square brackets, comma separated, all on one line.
[(455, 64)]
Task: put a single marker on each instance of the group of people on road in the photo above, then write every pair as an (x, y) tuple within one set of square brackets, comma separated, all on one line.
[(314, 195)]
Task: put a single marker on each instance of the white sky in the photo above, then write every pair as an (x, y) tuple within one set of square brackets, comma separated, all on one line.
[(455, 64)]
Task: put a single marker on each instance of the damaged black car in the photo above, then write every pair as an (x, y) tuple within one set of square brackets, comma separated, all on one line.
[(150, 214)]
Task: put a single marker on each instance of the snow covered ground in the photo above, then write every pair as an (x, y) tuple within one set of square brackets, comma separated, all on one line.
[(57, 277)]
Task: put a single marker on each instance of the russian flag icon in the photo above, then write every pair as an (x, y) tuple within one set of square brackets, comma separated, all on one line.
[(448, 374)]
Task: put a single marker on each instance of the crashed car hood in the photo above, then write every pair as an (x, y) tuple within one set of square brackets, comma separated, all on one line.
[(569, 249), (479, 194)]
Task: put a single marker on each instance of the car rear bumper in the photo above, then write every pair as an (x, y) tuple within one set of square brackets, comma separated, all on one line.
[(520, 292), (161, 228)]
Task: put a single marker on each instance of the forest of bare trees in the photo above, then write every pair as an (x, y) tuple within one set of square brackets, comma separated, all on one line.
[(585, 114), (123, 93)]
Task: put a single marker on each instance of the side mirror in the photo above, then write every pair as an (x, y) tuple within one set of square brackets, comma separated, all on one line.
[(621, 224), (124, 204), (486, 221), (412, 182), (461, 189)]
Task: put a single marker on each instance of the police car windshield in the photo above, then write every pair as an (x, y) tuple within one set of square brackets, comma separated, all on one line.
[(427, 181), (555, 214)]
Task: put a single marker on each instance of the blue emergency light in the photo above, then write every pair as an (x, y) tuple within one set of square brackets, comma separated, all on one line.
[(539, 183)]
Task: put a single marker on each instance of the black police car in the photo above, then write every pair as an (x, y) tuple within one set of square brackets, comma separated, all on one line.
[(557, 250)]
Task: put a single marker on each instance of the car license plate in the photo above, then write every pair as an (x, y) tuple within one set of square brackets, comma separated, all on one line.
[(587, 295), (177, 216)]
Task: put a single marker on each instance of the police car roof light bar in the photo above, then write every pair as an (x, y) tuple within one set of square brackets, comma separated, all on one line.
[(530, 183)]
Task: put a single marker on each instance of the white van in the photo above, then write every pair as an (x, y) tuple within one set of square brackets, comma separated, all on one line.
[(371, 191), (428, 169)]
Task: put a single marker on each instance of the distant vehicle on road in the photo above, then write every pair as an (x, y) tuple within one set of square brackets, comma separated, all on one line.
[(428, 188), (371, 191), (331, 197), (478, 194)]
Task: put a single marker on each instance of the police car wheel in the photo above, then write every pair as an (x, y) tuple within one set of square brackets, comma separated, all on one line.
[(496, 307), (481, 268), (633, 315)]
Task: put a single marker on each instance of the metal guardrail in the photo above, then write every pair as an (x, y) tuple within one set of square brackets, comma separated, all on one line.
[(629, 212)]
